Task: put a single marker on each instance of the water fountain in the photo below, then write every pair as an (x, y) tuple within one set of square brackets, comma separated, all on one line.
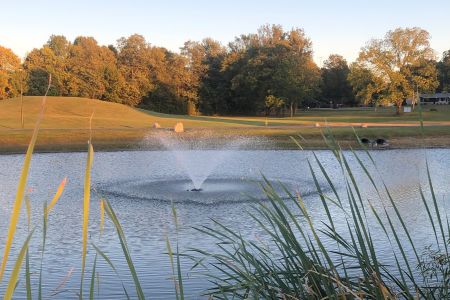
[(199, 155), (190, 152)]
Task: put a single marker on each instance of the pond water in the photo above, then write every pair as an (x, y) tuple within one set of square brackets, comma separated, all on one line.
[(141, 185)]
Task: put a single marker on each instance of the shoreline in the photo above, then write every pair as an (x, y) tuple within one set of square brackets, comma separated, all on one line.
[(268, 143), (54, 140)]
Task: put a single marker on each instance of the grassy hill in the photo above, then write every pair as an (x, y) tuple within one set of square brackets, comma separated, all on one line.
[(74, 113), (65, 126)]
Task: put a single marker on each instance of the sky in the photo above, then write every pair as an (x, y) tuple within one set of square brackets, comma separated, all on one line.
[(341, 27)]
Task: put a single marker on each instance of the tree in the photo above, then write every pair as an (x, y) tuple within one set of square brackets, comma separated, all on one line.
[(363, 85), (39, 64), (400, 62), (194, 53), (296, 80), (206, 79), (335, 84), (9, 64), (133, 61), (59, 45), (93, 69), (443, 67), (273, 103), (170, 77), (270, 62)]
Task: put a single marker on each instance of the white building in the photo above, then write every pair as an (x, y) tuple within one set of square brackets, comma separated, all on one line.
[(438, 98)]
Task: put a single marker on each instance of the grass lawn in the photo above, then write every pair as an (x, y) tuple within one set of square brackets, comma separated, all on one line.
[(115, 126), (430, 113), (74, 113)]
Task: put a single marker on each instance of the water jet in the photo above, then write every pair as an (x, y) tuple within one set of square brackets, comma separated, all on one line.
[(191, 149)]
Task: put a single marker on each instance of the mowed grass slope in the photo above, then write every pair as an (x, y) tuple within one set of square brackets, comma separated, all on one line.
[(74, 113), (65, 126)]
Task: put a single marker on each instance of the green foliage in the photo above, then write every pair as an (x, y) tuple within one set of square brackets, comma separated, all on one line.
[(36, 83), (363, 84), (273, 103), (271, 61), (444, 71), (206, 83), (335, 82)]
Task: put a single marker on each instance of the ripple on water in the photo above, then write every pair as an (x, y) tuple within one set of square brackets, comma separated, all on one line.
[(213, 190)]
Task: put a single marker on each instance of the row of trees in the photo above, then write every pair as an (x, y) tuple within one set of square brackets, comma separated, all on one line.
[(265, 72)]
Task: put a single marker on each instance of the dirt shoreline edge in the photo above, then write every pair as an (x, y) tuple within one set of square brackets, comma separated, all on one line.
[(271, 143)]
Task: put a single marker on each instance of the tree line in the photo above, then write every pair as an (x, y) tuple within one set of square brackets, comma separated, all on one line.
[(268, 72)]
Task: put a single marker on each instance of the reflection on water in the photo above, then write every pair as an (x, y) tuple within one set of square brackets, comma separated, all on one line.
[(147, 222)]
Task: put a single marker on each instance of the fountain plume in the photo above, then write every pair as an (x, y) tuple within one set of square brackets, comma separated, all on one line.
[(189, 150)]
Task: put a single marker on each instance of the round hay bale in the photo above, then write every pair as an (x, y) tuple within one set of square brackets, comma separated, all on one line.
[(179, 127)]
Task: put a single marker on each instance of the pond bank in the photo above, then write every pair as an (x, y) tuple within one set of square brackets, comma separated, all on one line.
[(264, 138)]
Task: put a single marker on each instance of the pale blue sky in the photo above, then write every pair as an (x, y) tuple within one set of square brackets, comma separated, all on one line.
[(334, 26)]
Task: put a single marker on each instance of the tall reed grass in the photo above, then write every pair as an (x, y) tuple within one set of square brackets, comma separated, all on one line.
[(310, 259)]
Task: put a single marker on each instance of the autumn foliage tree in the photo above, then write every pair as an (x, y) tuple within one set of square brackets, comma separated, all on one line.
[(401, 63), (204, 77), (88, 65), (9, 64), (268, 71)]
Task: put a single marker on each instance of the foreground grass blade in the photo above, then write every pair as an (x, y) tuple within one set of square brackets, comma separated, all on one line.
[(57, 195), (16, 270), (92, 288), (47, 210), (28, 276), (179, 290), (86, 205), (172, 266), (102, 215), (180, 277), (105, 257), (28, 209), (44, 238), (27, 256), (111, 214), (21, 187)]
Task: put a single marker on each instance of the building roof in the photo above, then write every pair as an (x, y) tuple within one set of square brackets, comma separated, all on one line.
[(436, 95)]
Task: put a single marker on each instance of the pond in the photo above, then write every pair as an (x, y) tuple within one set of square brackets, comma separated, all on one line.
[(142, 185)]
